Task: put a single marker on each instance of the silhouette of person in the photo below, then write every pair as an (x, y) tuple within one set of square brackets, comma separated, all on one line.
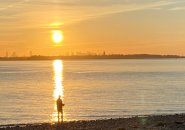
[(60, 108)]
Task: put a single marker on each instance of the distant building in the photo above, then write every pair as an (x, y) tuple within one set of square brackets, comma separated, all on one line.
[(104, 53), (31, 54), (14, 54), (6, 55)]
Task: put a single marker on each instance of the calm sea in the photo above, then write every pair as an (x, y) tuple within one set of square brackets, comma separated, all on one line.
[(91, 89)]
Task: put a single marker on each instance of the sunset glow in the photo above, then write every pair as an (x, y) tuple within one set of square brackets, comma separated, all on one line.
[(92, 64), (121, 27)]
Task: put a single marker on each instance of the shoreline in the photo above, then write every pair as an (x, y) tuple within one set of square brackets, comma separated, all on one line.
[(149, 122), (93, 57)]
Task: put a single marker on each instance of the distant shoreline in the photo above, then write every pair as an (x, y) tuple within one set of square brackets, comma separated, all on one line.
[(88, 57)]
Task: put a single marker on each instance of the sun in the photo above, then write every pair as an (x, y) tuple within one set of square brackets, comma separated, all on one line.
[(57, 36)]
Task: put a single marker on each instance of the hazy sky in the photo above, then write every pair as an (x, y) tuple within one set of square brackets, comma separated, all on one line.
[(116, 26)]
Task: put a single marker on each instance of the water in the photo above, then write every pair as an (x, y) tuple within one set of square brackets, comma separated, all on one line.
[(91, 89)]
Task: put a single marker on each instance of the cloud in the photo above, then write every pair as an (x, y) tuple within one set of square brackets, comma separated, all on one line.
[(43, 13), (11, 4), (90, 12), (177, 8)]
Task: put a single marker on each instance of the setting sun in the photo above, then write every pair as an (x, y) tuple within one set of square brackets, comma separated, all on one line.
[(57, 36)]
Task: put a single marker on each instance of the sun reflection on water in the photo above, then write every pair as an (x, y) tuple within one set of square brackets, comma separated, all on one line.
[(58, 85)]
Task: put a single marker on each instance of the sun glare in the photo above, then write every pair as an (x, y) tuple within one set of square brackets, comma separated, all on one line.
[(58, 85), (58, 78), (57, 36)]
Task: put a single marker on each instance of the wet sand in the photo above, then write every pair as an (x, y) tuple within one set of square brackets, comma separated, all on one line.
[(160, 122)]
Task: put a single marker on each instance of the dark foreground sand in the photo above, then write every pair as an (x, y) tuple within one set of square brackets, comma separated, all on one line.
[(165, 122)]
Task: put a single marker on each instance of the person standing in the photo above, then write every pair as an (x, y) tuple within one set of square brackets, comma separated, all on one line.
[(60, 108)]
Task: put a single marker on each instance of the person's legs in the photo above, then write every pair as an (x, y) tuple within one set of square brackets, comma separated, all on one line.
[(58, 117), (62, 116)]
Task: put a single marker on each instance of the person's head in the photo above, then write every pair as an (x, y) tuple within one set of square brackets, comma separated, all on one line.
[(59, 96)]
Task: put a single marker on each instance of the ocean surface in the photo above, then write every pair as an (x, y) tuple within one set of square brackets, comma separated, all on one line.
[(90, 89)]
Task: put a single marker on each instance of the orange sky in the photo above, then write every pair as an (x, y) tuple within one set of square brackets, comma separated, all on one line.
[(145, 26)]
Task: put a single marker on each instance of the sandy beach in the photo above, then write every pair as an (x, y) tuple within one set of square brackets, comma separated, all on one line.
[(159, 122)]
